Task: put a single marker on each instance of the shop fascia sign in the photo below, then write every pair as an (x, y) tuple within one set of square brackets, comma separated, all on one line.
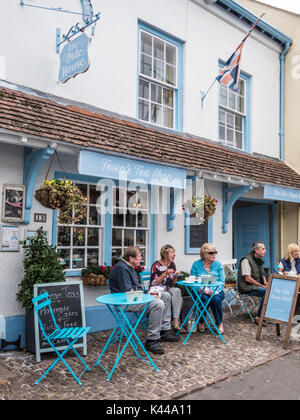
[(282, 194), (113, 167)]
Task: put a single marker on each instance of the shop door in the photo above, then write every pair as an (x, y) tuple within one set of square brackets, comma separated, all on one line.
[(251, 224)]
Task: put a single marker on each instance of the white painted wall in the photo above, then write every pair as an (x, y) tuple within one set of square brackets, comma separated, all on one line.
[(29, 57)]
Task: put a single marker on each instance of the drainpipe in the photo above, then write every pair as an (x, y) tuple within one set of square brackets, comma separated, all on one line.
[(282, 93)]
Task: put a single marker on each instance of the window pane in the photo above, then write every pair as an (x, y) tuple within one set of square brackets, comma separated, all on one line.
[(230, 120), (94, 194), (143, 110), (131, 198), (95, 215), (140, 237), (93, 237), (78, 236), (238, 123), (128, 237), (170, 54), (146, 65), (144, 89), (222, 116), (156, 113), (78, 258), (83, 189), (146, 43), (240, 104), (222, 132), (241, 89), (142, 200), (142, 219), (92, 257), (117, 237), (63, 236), (230, 134), (118, 218), (158, 70), (239, 140), (231, 100), (223, 95), (170, 74), (168, 97), (156, 93), (168, 117), (130, 219), (159, 49), (65, 254), (116, 254)]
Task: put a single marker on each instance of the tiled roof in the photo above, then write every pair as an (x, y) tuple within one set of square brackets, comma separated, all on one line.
[(45, 118)]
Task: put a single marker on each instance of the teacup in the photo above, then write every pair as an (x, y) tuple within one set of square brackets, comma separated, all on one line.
[(205, 279), (130, 296), (138, 295), (192, 279), (212, 280)]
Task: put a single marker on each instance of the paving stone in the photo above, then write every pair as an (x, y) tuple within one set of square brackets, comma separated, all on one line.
[(204, 360)]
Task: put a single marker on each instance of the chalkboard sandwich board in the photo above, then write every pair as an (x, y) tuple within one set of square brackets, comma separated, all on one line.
[(68, 307), (280, 303)]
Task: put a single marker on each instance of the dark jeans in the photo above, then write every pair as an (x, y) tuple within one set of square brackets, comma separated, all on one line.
[(260, 292), (215, 305)]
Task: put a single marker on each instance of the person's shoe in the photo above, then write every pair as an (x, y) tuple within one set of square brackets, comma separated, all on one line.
[(154, 347), (168, 336)]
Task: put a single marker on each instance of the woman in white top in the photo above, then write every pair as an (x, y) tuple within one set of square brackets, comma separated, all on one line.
[(290, 264)]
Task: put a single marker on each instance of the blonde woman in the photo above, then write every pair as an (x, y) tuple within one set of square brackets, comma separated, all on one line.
[(290, 264), (163, 273), (208, 265)]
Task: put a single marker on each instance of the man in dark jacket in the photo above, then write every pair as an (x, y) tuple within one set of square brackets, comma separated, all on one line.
[(122, 278), (251, 275)]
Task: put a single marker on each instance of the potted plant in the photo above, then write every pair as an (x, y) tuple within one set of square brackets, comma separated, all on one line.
[(64, 196), (230, 281), (95, 275), (41, 265), (201, 207)]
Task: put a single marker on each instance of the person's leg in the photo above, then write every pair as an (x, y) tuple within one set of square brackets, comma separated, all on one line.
[(260, 292), (176, 304), (216, 306), (166, 316)]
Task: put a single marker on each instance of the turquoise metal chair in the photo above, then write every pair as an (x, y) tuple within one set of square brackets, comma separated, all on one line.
[(70, 335)]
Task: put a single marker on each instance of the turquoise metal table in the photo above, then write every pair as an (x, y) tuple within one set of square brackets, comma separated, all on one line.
[(125, 328), (199, 308)]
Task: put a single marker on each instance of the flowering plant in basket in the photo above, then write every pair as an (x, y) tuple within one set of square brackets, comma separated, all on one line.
[(63, 195), (201, 207)]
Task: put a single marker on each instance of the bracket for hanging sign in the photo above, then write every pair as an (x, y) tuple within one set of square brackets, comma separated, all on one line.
[(75, 29)]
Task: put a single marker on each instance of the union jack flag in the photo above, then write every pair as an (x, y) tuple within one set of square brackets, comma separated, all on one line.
[(230, 73)]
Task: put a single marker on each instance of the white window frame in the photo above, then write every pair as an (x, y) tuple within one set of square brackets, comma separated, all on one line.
[(234, 113), (155, 81), (84, 247)]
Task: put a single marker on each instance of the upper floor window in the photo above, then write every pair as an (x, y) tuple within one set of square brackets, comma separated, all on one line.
[(160, 79), (232, 113)]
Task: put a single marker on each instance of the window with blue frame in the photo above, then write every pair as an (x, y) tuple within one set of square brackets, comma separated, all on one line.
[(160, 78), (234, 115)]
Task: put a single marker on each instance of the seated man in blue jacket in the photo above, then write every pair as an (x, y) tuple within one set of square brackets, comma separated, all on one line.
[(122, 278)]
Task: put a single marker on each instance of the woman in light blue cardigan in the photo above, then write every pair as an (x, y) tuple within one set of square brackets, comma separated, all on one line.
[(208, 265)]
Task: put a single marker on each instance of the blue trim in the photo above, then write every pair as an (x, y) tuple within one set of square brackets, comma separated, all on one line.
[(265, 28), (152, 228), (247, 119), (187, 248), (282, 97), (179, 91)]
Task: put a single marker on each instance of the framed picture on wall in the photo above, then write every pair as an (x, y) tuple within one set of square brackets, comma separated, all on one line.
[(13, 203)]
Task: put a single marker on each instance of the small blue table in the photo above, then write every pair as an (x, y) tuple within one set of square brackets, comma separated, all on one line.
[(118, 305), (199, 308)]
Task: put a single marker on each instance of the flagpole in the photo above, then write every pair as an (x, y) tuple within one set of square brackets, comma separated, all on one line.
[(204, 94)]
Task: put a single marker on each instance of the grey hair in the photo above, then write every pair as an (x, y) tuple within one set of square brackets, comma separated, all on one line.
[(256, 245)]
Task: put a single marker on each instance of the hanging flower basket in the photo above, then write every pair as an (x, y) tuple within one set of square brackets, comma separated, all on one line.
[(201, 207), (64, 196)]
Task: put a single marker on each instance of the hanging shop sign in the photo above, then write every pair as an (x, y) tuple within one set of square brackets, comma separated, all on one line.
[(113, 167), (282, 194), (74, 58)]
